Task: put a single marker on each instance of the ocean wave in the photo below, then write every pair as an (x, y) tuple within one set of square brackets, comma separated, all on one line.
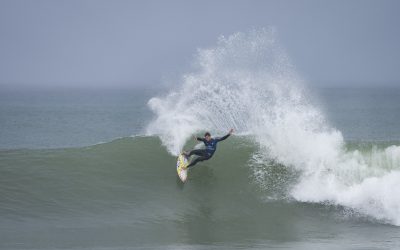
[(248, 82)]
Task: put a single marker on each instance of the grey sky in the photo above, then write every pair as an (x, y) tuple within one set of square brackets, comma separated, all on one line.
[(126, 43)]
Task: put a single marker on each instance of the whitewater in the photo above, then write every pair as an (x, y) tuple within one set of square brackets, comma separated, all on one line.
[(248, 82)]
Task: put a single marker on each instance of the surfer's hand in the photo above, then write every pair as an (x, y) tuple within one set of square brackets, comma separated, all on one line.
[(195, 138), (230, 131)]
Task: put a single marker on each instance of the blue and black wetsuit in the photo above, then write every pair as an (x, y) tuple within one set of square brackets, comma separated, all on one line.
[(207, 153)]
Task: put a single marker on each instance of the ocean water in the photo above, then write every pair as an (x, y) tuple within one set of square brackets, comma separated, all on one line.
[(307, 168), (59, 118)]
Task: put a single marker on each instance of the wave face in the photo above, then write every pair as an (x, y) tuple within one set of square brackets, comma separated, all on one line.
[(248, 82), (126, 194), (134, 175)]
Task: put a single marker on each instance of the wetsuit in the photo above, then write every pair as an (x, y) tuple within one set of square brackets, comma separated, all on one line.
[(207, 153)]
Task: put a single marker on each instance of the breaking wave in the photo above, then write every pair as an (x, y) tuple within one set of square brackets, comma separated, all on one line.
[(248, 82)]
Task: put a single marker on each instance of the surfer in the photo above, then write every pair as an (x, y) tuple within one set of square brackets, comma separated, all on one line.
[(207, 153)]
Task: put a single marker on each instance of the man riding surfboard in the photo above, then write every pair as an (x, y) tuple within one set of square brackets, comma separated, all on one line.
[(208, 152)]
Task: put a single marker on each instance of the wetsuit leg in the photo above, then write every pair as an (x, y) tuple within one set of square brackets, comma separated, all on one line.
[(202, 157), (199, 152), (198, 159)]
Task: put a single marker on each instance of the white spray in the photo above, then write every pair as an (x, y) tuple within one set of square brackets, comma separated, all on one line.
[(247, 82)]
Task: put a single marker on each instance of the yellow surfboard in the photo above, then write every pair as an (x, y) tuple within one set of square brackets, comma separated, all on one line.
[(181, 169)]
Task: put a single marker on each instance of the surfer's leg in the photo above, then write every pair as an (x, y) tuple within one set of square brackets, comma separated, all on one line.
[(199, 152), (198, 159)]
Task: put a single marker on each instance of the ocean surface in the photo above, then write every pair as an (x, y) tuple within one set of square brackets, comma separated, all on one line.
[(307, 168)]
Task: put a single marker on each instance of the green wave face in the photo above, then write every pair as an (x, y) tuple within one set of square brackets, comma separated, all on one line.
[(130, 186), (127, 173), (127, 191)]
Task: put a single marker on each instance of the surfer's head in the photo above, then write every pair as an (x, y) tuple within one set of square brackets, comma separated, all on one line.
[(207, 135)]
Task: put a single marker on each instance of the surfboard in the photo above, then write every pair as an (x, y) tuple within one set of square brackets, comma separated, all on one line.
[(181, 163)]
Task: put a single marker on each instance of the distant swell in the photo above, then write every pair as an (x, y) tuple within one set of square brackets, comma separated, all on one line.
[(248, 82)]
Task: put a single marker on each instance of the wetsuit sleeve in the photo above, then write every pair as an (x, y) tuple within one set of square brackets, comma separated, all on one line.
[(223, 137), (200, 139)]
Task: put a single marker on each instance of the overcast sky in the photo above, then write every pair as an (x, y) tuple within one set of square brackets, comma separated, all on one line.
[(127, 43)]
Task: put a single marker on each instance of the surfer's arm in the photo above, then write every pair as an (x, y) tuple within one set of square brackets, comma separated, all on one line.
[(225, 136), (200, 139)]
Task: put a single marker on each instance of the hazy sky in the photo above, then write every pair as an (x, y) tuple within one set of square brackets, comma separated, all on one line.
[(126, 43)]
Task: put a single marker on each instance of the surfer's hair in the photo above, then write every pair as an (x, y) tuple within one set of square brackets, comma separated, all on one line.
[(207, 134)]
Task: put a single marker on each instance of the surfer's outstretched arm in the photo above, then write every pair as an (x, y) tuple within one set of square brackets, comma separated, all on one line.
[(225, 136), (200, 139)]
